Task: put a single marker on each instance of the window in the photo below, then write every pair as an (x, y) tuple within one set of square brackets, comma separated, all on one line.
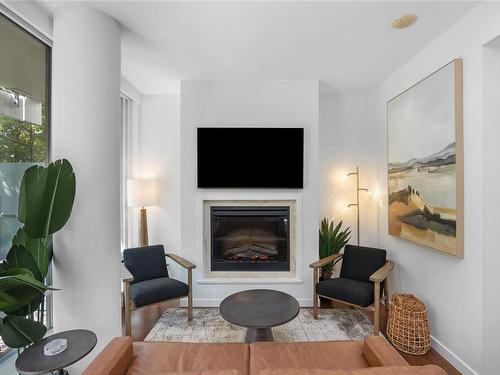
[(129, 123), (24, 123)]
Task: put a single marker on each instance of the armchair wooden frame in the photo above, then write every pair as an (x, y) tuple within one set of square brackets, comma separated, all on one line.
[(128, 305), (377, 278)]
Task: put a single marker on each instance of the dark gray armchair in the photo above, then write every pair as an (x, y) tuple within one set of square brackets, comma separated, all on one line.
[(362, 275), (148, 282)]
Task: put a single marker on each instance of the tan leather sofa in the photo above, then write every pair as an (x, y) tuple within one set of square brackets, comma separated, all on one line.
[(372, 356)]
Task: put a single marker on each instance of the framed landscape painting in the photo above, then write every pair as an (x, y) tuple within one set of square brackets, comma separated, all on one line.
[(425, 162)]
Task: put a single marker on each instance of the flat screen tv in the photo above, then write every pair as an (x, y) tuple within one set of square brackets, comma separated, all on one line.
[(251, 158)]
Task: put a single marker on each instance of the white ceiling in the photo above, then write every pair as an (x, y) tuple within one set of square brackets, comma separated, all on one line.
[(349, 46)]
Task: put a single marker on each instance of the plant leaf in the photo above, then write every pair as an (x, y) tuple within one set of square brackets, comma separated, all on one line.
[(331, 239), (46, 198), (18, 332), (42, 254), (33, 182), (19, 257), (18, 288)]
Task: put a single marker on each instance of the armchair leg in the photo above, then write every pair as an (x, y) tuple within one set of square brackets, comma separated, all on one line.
[(376, 316), (314, 295), (386, 293), (190, 295), (126, 309)]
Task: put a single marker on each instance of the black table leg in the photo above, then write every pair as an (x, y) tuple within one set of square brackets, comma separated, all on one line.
[(259, 334)]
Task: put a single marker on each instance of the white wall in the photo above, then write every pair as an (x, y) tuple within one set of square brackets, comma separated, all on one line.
[(249, 103), (348, 138), (30, 13), (451, 287), (160, 152), (491, 217), (86, 131)]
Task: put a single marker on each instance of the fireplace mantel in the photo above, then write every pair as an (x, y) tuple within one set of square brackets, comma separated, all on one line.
[(210, 274)]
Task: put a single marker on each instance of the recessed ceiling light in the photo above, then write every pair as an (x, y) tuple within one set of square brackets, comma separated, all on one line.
[(404, 21)]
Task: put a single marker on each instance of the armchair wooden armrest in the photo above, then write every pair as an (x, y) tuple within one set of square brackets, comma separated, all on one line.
[(181, 261), (320, 263), (126, 276), (189, 266), (377, 277), (382, 273), (316, 267)]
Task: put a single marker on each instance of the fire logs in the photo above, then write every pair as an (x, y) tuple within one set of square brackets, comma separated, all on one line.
[(253, 252)]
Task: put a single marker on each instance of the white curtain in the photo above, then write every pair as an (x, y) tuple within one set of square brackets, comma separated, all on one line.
[(130, 140)]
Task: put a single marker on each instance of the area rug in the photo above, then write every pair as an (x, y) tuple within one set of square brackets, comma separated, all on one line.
[(208, 326)]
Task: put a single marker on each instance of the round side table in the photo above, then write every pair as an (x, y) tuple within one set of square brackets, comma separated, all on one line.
[(33, 361), (258, 310)]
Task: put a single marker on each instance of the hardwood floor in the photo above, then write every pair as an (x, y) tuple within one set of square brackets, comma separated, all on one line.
[(144, 319)]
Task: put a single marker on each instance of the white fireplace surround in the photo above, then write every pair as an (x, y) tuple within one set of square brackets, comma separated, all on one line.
[(251, 275)]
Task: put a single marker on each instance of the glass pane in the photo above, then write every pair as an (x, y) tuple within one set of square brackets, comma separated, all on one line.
[(24, 124)]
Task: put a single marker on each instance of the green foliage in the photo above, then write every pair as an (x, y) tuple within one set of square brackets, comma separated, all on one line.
[(46, 198), (19, 288), (22, 141), (18, 332), (19, 257), (39, 250), (45, 203), (331, 240)]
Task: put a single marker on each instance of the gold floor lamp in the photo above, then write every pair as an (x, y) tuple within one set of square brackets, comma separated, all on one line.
[(358, 189), (142, 194)]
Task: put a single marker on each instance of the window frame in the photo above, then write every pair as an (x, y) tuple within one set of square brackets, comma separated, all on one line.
[(12, 16)]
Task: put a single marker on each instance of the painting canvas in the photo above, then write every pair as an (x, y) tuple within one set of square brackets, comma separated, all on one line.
[(425, 178)]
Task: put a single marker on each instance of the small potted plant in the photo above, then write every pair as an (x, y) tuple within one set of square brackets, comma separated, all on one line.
[(331, 241)]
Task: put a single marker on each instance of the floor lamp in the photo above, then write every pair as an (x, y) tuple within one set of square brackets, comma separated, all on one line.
[(141, 194), (358, 189)]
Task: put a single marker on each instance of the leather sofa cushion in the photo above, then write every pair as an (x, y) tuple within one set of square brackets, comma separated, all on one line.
[(156, 290), (353, 291), (306, 355), (164, 357), (391, 370), (207, 372), (378, 352), (114, 359)]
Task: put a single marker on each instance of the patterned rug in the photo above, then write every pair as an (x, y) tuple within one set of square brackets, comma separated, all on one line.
[(208, 326)]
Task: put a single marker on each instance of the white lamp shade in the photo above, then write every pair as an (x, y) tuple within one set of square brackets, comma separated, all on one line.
[(141, 193)]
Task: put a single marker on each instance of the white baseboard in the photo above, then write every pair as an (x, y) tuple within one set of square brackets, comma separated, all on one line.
[(452, 358), (215, 302)]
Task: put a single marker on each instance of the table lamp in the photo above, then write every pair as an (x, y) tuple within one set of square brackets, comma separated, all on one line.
[(142, 193)]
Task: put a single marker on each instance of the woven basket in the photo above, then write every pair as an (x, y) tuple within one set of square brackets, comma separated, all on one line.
[(407, 325)]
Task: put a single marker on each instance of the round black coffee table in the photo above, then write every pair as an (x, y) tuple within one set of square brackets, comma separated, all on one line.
[(258, 310), (33, 361)]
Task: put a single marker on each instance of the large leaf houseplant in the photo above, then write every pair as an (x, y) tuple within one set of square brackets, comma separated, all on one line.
[(332, 239), (45, 202)]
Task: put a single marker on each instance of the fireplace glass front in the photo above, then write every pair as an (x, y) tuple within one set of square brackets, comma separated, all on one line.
[(250, 238)]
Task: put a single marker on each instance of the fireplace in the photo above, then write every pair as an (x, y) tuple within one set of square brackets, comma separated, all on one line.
[(249, 238)]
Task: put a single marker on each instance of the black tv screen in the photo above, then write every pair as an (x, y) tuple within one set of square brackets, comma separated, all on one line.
[(250, 158)]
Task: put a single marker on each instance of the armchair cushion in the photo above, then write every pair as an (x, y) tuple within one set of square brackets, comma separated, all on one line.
[(146, 263), (156, 290), (353, 291), (359, 262)]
